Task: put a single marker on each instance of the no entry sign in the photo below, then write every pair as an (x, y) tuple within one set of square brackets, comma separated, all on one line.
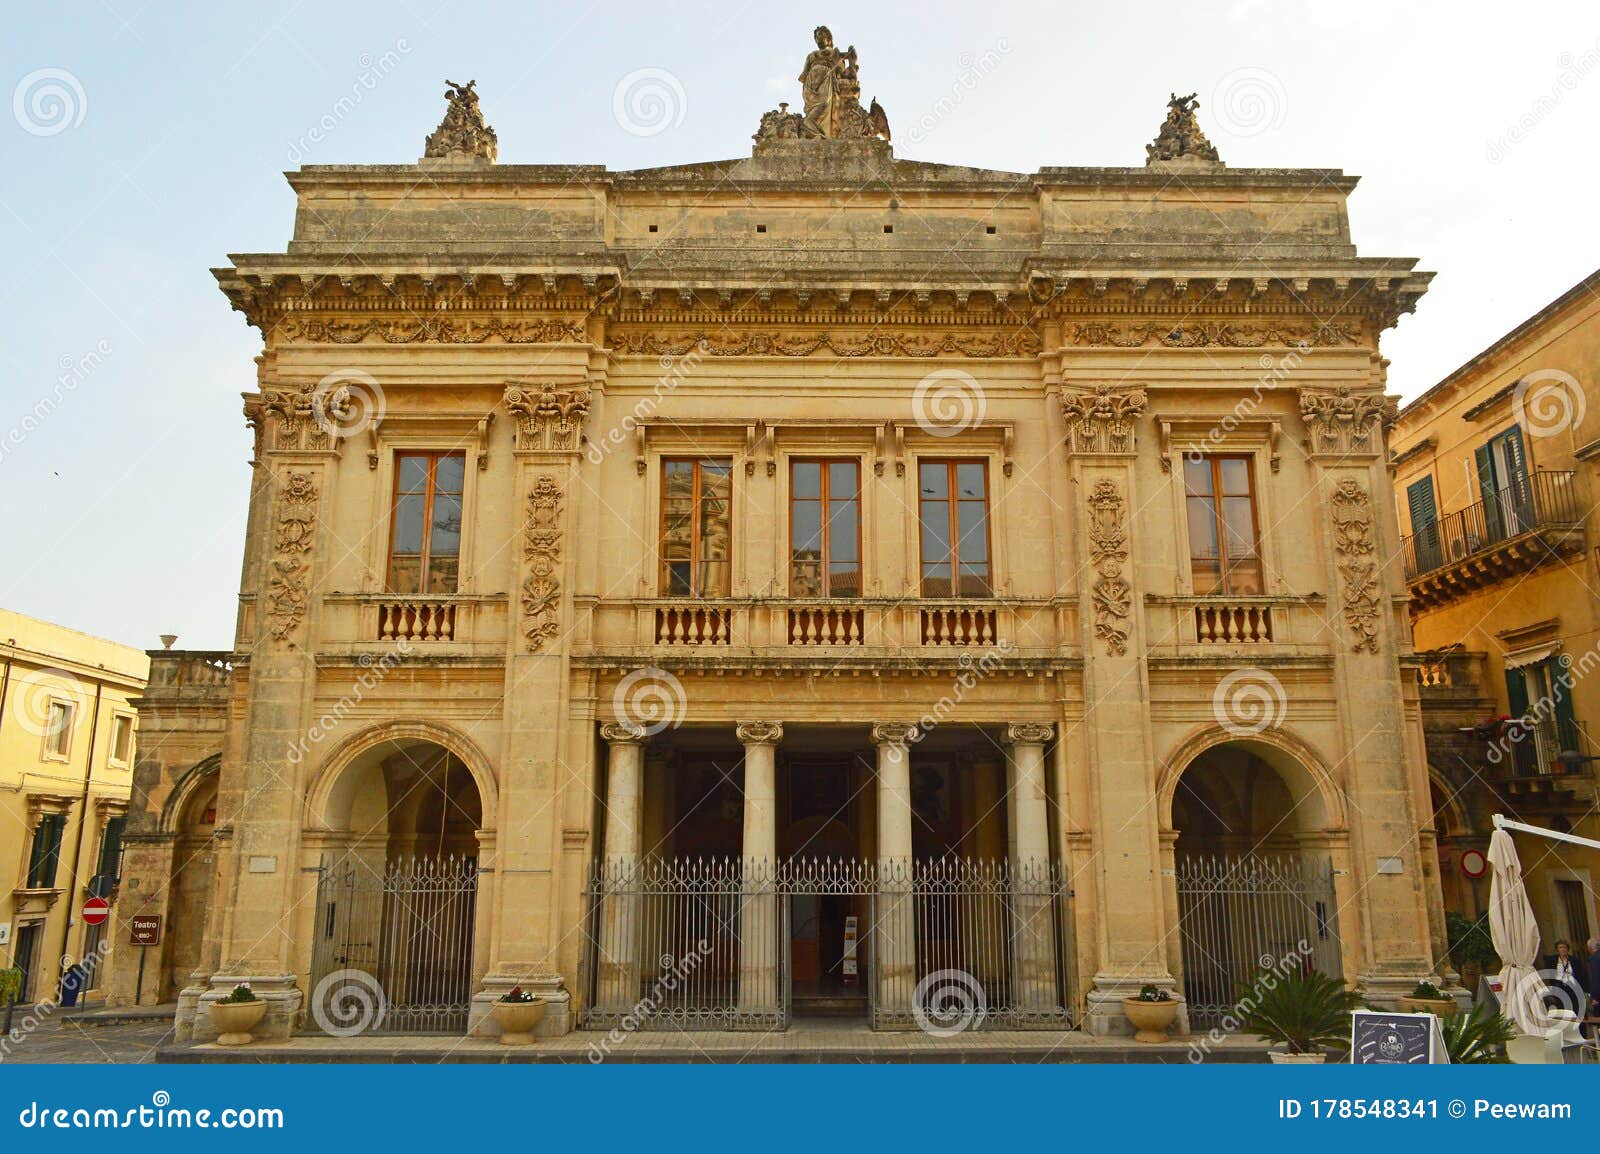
[(95, 911)]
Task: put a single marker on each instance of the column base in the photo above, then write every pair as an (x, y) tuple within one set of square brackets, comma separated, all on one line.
[(1385, 990), (559, 1017), (279, 991), (1104, 1017)]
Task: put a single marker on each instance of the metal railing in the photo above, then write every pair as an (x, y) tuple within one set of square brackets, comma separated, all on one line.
[(1538, 739), (1239, 914), (1547, 498), (714, 943)]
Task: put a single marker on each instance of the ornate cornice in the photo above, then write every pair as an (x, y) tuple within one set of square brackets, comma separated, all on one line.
[(1231, 334), (1101, 420), (874, 342)]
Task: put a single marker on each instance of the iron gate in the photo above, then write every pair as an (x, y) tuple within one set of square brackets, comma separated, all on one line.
[(393, 950), (1241, 914)]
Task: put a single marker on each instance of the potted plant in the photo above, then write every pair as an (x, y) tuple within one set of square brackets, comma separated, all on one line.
[(517, 1014), (1477, 1037), (236, 1014), (1471, 948), (1428, 998), (1151, 1013), (1309, 1013)]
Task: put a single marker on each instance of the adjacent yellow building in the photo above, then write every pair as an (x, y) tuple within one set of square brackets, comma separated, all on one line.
[(1495, 480), (68, 734)]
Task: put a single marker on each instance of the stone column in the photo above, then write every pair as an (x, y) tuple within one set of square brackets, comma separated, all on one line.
[(619, 931), (894, 942), (1033, 978), (759, 943)]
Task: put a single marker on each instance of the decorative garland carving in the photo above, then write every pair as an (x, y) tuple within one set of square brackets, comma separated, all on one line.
[(293, 536), (1102, 419), (1357, 563), (720, 343), (442, 330), (541, 591), (1341, 421), (550, 419), (1221, 334), (1108, 552)]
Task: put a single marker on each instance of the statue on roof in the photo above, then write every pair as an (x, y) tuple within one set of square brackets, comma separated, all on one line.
[(463, 131), (1180, 137), (830, 89)]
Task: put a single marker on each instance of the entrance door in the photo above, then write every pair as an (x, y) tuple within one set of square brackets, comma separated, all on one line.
[(26, 959)]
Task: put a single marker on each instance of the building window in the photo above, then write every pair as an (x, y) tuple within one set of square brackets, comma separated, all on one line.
[(58, 729), (46, 851), (954, 512), (1503, 486), (696, 527), (1224, 554), (825, 529), (110, 871), (122, 739), (425, 549)]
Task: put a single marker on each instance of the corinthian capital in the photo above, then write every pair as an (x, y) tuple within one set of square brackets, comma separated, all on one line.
[(1101, 419), (759, 732)]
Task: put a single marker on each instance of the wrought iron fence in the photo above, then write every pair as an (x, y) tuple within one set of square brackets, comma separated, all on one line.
[(947, 945), (393, 948), (1547, 498), (1241, 914)]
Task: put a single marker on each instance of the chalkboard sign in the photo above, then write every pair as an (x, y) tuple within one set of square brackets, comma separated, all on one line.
[(1378, 1039)]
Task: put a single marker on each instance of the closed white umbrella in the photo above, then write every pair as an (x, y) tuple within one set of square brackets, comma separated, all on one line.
[(1516, 938)]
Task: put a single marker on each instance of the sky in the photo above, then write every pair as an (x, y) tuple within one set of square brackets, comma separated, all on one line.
[(146, 142)]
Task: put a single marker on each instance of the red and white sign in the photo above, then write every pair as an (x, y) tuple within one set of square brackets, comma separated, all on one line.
[(95, 911), (1473, 863)]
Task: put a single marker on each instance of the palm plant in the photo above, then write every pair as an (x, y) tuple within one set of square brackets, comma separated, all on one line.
[(1310, 1011), (1477, 1037)]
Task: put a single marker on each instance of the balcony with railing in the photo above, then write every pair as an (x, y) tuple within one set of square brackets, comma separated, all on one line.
[(1512, 531)]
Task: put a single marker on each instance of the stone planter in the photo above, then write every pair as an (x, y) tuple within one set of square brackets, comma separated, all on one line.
[(235, 1020), (1284, 1058), (517, 1020), (1151, 1020), (1439, 1008)]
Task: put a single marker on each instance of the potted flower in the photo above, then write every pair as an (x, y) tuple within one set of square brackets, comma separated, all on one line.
[(1151, 1013), (1428, 998), (1309, 1013), (236, 1014), (517, 1014)]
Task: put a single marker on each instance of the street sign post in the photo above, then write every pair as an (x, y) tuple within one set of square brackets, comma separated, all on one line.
[(144, 930), (95, 911)]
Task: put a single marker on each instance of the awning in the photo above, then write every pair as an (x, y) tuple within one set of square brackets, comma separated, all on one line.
[(1532, 656)]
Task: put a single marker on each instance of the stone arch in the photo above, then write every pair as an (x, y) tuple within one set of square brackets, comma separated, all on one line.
[(1318, 799), (183, 791), (332, 785)]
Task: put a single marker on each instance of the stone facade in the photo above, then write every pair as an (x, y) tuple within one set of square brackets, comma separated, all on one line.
[(602, 354)]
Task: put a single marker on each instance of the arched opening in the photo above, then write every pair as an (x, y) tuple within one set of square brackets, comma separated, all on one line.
[(397, 893), (1253, 878), (193, 822)]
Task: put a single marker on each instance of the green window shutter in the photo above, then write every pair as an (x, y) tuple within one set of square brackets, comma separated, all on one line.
[(1516, 693), (111, 847), (1561, 699), (46, 852), (1419, 496), (1489, 494), (1516, 460)]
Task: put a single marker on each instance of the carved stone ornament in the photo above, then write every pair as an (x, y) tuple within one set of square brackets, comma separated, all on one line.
[(1181, 138), (1356, 558), (830, 90), (759, 732), (288, 578), (292, 421), (1342, 422), (1108, 553), (1218, 334), (1029, 733), (623, 733), (1101, 420), (873, 343), (548, 418), (541, 591), (404, 330), (892, 733), (463, 133)]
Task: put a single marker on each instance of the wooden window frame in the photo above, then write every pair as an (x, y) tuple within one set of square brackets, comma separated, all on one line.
[(824, 501), (695, 559), (50, 753), (121, 723), (424, 558), (1220, 526), (953, 527)]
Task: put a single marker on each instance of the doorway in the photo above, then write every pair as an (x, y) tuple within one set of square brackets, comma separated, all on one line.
[(25, 956), (825, 862)]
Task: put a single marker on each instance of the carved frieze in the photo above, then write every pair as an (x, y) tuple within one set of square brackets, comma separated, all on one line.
[(1219, 334), (541, 590), (1343, 422), (1108, 554), (1101, 420), (548, 418), (288, 579), (874, 343), (1356, 558), (459, 330)]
